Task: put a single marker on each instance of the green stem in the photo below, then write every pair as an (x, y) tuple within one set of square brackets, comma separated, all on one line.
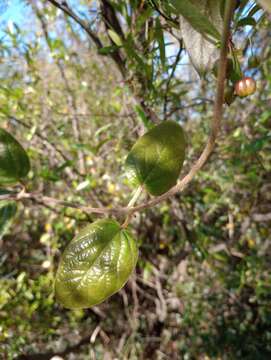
[(135, 197), (130, 205)]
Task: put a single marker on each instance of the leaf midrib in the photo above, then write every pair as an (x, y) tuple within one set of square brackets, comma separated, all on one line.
[(96, 258)]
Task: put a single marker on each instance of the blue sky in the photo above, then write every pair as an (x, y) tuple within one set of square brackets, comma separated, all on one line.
[(11, 10)]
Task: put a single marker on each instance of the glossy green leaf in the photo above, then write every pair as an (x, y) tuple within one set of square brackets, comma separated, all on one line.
[(95, 265), (156, 159), (7, 212), (14, 162)]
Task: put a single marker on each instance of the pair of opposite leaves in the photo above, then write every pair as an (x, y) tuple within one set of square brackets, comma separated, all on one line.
[(99, 260)]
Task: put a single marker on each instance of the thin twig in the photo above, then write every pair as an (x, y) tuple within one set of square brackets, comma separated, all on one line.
[(174, 67), (42, 199), (167, 18), (68, 11), (70, 94), (43, 138), (114, 55)]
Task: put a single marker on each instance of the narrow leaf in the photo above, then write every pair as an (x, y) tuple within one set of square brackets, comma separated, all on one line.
[(107, 50), (115, 37), (247, 21), (161, 42), (7, 213), (142, 116)]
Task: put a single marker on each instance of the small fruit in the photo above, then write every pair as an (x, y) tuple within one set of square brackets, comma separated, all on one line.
[(245, 87)]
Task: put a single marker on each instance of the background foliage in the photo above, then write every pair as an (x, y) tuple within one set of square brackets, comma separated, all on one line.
[(202, 285)]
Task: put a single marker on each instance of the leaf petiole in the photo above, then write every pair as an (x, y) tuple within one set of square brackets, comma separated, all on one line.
[(130, 205), (135, 196)]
